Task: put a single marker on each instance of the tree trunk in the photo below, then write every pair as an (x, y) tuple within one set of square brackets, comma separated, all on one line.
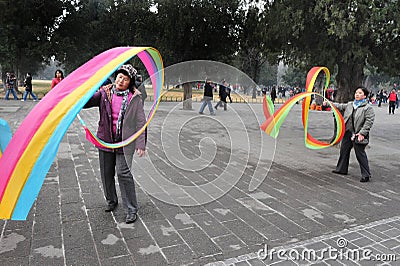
[(187, 96), (255, 76), (350, 76), (320, 83)]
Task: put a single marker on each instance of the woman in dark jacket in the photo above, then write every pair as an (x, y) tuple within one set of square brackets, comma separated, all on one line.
[(28, 88), (273, 94), (222, 95), (113, 102), (359, 117)]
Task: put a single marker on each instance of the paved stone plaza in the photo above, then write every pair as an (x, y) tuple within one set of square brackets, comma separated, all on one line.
[(300, 205)]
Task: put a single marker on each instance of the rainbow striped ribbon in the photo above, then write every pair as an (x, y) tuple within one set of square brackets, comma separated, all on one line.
[(274, 120)]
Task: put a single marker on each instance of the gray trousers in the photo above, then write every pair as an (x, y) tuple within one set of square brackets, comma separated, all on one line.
[(345, 148), (109, 163)]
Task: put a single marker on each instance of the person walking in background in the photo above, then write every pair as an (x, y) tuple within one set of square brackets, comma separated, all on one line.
[(58, 76), (207, 98), (28, 87), (398, 99), (273, 94), (140, 86), (380, 97), (10, 85), (228, 92), (113, 101), (359, 117), (222, 96), (392, 101)]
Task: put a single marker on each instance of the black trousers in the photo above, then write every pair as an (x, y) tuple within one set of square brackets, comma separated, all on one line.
[(392, 106), (229, 96), (221, 102), (344, 157)]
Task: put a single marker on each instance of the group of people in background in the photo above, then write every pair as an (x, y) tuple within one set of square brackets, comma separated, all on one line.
[(224, 92), (393, 97), (11, 85), (286, 92)]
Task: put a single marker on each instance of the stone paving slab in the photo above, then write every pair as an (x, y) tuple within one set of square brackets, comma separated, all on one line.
[(299, 205)]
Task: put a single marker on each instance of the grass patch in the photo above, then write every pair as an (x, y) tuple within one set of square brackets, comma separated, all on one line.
[(40, 86)]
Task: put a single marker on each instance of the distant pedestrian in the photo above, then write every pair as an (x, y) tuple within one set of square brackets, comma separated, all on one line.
[(392, 101), (11, 82), (380, 97), (273, 94), (140, 86), (222, 96), (359, 117), (58, 77), (228, 92), (329, 94), (28, 87), (207, 98)]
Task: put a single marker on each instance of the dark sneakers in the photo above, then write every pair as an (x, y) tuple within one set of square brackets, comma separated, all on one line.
[(130, 218), (365, 179), (339, 173), (110, 207)]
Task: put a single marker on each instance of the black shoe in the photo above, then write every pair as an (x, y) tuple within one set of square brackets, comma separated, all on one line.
[(364, 179), (110, 207), (339, 173), (130, 218)]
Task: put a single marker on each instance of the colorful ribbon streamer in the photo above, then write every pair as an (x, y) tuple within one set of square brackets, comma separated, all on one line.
[(90, 136), (274, 120), (31, 151), (5, 135)]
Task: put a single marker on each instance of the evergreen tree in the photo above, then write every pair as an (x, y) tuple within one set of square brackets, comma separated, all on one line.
[(343, 35)]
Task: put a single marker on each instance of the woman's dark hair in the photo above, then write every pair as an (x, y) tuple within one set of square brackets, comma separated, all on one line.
[(365, 90), (106, 82), (131, 86), (59, 70)]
